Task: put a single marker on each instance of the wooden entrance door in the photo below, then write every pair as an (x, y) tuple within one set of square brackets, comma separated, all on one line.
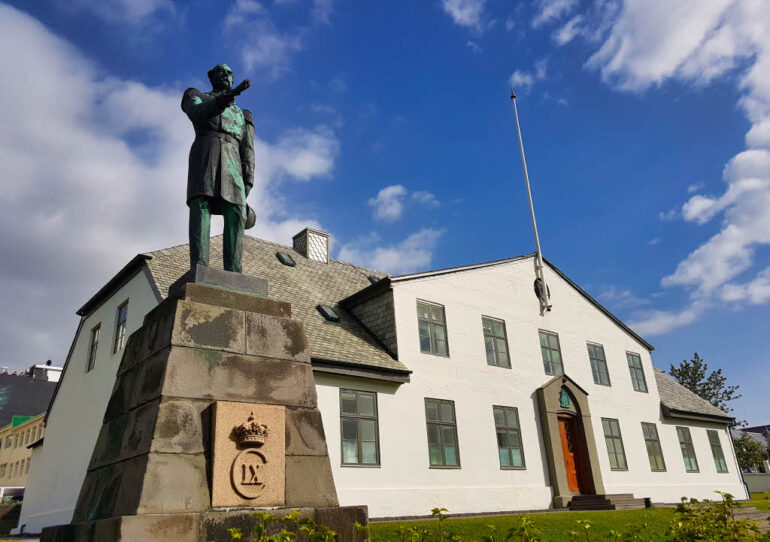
[(570, 449)]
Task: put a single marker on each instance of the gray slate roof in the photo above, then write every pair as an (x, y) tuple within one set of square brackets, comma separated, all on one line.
[(676, 397), (22, 395), (305, 286)]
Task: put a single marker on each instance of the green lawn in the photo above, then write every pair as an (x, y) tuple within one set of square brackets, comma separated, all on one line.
[(554, 526), (759, 503)]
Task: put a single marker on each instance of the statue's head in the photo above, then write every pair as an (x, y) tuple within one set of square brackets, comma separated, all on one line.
[(221, 77)]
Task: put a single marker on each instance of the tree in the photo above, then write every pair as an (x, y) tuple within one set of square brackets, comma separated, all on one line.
[(712, 387), (749, 451)]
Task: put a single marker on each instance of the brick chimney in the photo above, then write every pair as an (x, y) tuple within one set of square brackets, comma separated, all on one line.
[(313, 245)]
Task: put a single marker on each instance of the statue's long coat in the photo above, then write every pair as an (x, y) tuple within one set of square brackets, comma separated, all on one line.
[(222, 155)]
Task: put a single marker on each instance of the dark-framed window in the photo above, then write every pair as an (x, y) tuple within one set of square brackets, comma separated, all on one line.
[(495, 342), (637, 372), (716, 450), (688, 451), (93, 346), (654, 450), (359, 428), (443, 450), (551, 352), (598, 364), (121, 319), (509, 447), (432, 327), (614, 441)]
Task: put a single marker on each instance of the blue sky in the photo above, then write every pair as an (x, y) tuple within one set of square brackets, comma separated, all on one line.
[(388, 124)]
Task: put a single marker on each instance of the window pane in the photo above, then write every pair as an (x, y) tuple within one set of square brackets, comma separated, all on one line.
[(511, 420), (368, 452), (439, 333), (447, 412), (543, 339), (486, 323), (349, 451), (499, 416), (441, 347), (518, 457), (424, 344), (505, 457), (501, 346), (435, 455), (348, 402), (433, 434), (367, 430), (349, 430), (365, 404), (502, 359), (431, 410), (450, 455), (423, 311), (437, 313), (448, 434), (502, 439)]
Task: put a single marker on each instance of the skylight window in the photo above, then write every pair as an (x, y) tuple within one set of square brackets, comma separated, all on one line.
[(373, 279), (285, 259), (328, 313)]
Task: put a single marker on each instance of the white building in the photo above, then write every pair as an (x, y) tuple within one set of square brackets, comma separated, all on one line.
[(441, 388)]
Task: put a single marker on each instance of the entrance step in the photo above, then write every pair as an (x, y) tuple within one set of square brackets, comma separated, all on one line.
[(752, 514), (618, 501)]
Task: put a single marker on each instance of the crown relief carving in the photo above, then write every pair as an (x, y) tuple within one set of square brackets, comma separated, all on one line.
[(250, 433)]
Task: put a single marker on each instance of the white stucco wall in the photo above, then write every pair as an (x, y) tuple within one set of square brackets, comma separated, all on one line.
[(59, 466), (405, 485)]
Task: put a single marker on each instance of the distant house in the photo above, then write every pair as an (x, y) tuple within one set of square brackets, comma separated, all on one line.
[(442, 388), (24, 399), (757, 477), (27, 394)]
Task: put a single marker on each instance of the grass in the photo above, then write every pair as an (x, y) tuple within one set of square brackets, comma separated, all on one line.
[(554, 526), (760, 504)]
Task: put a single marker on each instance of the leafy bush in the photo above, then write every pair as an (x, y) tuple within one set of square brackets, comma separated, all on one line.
[(711, 521)]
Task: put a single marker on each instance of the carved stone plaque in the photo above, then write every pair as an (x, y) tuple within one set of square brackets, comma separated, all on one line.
[(249, 456)]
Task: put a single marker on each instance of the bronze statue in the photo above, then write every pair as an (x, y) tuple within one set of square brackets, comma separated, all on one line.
[(221, 169)]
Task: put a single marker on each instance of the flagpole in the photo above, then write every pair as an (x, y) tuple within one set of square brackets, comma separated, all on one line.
[(544, 294)]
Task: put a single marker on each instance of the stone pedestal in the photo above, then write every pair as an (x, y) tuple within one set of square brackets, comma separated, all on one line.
[(213, 416)]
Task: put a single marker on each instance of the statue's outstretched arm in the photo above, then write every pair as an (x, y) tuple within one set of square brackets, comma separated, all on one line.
[(200, 108)]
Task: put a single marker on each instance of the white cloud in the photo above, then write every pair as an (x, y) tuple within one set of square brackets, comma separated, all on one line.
[(86, 196), (473, 46), (756, 291), (618, 298), (521, 81), (668, 216), (389, 203), (551, 10), (412, 254), (510, 23), (322, 10), (695, 187), (569, 31), (467, 13), (240, 11), (264, 49), (425, 198), (656, 322)]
